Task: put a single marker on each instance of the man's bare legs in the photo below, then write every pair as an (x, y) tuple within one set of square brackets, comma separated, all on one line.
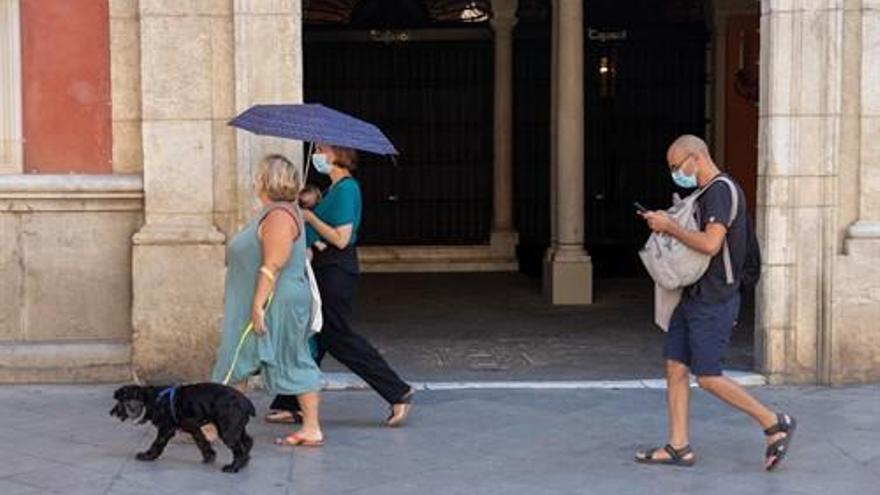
[(678, 398), (678, 393), (732, 393)]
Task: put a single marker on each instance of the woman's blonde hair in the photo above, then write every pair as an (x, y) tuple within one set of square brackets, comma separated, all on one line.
[(278, 178)]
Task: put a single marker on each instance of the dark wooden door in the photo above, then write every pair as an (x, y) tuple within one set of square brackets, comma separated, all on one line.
[(741, 104), (432, 96)]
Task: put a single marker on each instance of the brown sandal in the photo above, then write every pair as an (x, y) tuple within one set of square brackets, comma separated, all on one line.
[(283, 417), (399, 418)]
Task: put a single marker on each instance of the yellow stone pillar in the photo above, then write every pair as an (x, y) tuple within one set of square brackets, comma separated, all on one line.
[(568, 269)]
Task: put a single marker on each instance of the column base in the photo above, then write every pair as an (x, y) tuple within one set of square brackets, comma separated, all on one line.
[(568, 277), (504, 244), (864, 229), (855, 348), (177, 281)]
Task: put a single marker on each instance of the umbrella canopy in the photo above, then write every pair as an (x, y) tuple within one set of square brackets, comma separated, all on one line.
[(315, 123)]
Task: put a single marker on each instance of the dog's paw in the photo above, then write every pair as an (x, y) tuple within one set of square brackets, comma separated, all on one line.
[(237, 465), (145, 456), (209, 458)]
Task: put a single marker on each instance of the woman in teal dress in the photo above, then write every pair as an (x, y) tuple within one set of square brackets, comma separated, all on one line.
[(333, 231), (267, 258)]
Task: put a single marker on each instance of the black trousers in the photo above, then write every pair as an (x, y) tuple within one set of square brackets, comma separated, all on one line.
[(337, 338)]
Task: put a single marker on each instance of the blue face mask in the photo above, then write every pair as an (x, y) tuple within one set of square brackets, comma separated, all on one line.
[(319, 160), (684, 181)]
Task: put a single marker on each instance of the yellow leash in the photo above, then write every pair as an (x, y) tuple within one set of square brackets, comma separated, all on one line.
[(248, 329)]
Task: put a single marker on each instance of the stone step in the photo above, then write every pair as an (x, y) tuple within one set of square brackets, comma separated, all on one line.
[(65, 362), (427, 259)]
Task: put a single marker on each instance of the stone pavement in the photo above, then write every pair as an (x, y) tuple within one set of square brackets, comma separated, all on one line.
[(497, 326), (60, 439)]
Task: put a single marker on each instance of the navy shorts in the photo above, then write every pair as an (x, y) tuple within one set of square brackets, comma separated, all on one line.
[(699, 333)]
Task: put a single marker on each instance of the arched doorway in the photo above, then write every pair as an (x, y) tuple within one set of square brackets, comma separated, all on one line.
[(428, 82)]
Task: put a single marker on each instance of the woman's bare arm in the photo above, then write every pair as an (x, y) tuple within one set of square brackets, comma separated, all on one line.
[(276, 233)]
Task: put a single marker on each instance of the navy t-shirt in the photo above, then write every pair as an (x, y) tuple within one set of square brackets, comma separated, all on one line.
[(714, 207)]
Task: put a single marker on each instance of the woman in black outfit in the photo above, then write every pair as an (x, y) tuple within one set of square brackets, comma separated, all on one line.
[(332, 234)]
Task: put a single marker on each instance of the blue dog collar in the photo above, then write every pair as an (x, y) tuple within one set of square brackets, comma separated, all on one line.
[(169, 392)]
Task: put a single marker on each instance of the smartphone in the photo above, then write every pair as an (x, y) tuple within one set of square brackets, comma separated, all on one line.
[(639, 208)]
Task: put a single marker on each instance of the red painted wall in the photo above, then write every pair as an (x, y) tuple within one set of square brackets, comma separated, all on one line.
[(66, 86), (741, 114)]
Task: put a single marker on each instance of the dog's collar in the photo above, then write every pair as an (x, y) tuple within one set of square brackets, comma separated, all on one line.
[(169, 392)]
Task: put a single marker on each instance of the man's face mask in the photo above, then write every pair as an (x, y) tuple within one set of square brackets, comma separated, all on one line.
[(683, 180)]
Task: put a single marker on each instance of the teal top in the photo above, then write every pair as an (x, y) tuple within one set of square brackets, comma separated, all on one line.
[(282, 355), (341, 206)]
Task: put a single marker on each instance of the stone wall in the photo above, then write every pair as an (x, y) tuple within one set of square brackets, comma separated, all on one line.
[(125, 86), (65, 262), (178, 255), (105, 275), (855, 353), (201, 63), (818, 303)]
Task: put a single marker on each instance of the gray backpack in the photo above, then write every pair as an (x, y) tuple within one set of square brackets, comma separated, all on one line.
[(669, 261)]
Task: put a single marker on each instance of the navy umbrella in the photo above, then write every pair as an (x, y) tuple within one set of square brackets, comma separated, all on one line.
[(314, 123)]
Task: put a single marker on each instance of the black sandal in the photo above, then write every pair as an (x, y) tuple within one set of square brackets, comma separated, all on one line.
[(778, 449), (676, 456)]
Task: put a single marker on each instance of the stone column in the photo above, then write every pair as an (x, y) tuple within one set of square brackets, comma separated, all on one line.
[(268, 69), (568, 271), (855, 348), (504, 237), (554, 163), (125, 87), (867, 58), (178, 255), (801, 157), (10, 88)]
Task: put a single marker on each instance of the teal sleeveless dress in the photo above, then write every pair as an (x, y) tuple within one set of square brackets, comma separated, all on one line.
[(282, 355)]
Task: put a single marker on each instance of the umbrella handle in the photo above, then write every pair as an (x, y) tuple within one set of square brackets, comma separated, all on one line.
[(308, 165)]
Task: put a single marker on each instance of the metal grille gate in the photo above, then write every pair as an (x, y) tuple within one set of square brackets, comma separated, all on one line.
[(432, 95), (653, 88)]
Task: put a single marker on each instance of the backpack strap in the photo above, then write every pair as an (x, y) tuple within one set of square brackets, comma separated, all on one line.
[(734, 195), (734, 209)]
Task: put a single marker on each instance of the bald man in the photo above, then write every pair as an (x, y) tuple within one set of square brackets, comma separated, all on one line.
[(702, 323)]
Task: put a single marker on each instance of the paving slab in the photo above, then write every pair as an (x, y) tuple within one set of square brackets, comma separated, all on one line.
[(497, 326), (60, 439)]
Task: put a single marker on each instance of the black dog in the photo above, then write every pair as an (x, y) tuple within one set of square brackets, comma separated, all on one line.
[(188, 408)]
